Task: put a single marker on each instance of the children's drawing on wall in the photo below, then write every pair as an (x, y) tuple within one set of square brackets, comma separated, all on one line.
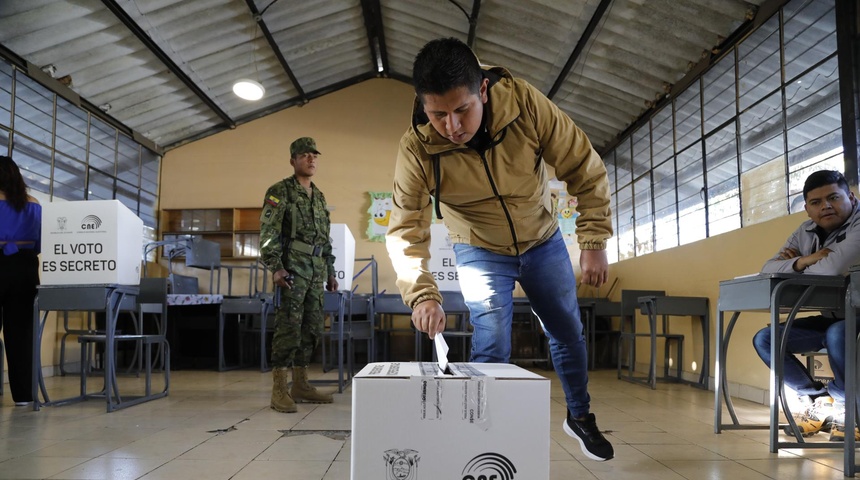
[(380, 212), (565, 209)]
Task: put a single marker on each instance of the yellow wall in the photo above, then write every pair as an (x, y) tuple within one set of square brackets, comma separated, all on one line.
[(358, 129)]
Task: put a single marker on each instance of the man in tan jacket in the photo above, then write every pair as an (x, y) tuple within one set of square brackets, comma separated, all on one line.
[(477, 152)]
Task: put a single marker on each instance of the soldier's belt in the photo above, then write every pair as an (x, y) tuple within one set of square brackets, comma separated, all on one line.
[(306, 248)]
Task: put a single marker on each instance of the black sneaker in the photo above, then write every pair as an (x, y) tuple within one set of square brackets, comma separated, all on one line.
[(593, 443)]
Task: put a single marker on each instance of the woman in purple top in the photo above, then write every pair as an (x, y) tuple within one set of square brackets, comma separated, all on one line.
[(20, 243)]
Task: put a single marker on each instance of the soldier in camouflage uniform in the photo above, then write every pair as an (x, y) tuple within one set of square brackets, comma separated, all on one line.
[(295, 246)]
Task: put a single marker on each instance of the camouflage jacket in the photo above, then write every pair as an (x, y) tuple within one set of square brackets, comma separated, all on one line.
[(285, 201)]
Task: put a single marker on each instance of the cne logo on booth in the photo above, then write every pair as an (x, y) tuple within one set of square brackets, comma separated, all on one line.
[(489, 466), (91, 222)]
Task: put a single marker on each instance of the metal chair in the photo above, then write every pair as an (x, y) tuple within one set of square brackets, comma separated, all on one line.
[(629, 309), (664, 306), (353, 330), (596, 314), (257, 326), (244, 307), (526, 321), (183, 284), (335, 305), (88, 329), (152, 299), (385, 307)]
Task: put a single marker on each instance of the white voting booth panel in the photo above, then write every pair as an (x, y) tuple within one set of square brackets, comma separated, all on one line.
[(343, 249), (481, 421), (442, 261), (90, 242)]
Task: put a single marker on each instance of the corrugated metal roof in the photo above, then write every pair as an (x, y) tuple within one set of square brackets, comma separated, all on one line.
[(166, 67)]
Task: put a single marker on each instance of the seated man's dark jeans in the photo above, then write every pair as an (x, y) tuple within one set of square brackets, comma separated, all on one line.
[(810, 334)]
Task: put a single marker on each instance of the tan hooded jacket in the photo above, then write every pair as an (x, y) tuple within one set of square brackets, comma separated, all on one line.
[(499, 199)]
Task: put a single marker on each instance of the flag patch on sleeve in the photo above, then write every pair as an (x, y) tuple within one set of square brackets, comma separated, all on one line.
[(273, 201)]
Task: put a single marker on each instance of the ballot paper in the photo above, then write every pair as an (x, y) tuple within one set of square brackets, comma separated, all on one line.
[(441, 350)]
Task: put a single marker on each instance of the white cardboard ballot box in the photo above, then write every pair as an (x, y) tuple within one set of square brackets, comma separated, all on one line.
[(90, 242), (343, 249), (482, 421)]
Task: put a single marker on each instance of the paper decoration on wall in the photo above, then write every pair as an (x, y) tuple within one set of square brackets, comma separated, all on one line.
[(567, 215), (565, 210), (380, 212)]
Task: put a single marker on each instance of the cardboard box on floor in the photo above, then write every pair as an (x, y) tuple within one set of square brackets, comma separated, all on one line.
[(482, 421)]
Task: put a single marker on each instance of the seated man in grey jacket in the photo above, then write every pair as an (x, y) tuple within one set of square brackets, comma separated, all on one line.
[(826, 244)]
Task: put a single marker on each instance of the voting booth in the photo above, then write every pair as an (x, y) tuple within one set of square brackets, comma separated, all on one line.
[(442, 262), (474, 421), (91, 262), (343, 249), (90, 242)]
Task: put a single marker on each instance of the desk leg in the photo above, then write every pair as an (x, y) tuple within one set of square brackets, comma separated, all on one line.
[(112, 396), (775, 360), (850, 384), (719, 373), (222, 363), (340, 321), (652, 369), (587, 322), (667, 353), (721, 382), (37, 354), (110, 330), (704, 376), (592, 337), (264, 318)]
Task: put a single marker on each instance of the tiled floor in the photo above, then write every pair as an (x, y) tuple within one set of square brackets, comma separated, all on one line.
[(219, 426)]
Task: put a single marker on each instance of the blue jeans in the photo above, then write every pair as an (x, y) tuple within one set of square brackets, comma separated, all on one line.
[(487, 280), (809, 335)]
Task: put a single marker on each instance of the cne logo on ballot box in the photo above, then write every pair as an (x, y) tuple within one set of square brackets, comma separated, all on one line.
[(489, 466), (90, 242)]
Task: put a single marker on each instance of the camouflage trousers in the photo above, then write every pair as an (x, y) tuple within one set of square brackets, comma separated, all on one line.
[(298, 323)]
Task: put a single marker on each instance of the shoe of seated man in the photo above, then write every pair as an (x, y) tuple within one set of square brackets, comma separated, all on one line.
[(816, 418), (594, 445), (837, 432)]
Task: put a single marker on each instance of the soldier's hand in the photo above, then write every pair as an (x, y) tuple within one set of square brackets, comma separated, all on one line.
[(429, 317), (331, 285), (282, 278)]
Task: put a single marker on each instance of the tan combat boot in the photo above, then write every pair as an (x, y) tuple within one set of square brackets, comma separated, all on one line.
[(281, 399), (302, 391)]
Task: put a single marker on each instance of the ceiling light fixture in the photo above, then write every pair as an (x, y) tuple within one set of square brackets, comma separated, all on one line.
[(248, 89)]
